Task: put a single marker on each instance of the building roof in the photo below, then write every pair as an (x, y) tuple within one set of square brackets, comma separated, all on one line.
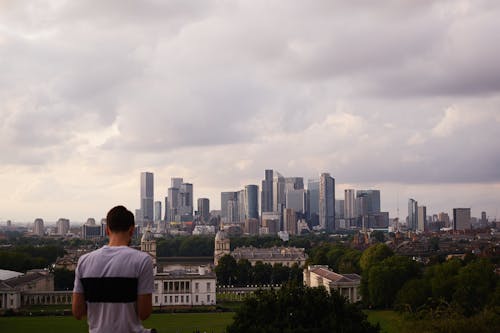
[(18, 281), (6, 274), (273, 253), (335, 277)]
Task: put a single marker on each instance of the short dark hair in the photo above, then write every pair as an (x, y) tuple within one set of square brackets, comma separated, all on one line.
[(119, 219)]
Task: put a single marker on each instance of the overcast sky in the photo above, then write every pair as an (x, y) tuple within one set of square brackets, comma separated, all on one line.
[(403, 96)]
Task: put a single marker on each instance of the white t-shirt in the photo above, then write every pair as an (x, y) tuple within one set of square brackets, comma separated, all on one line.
[(111, 278)]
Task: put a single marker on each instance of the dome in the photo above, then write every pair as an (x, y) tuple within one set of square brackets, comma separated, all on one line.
[(220, 236), (147, 236)]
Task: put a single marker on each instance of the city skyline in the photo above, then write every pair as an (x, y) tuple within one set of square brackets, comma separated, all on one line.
[(401, 96)]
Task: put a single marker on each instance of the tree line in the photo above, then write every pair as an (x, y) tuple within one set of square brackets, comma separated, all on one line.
[(22, 258)]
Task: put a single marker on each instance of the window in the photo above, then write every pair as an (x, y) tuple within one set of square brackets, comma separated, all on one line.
[(171, 301), (208, 286), (208, 298), (187, 299), (176, 299), (165, 299), (182, 299), (182, 285), (196, 298), (196, 286), (156, 286), (165, 286), (187, 285), (156, 299), (176, 285)]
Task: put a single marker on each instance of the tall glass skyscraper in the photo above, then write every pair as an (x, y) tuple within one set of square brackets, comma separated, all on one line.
[(412, 214), (327, 202), (251, 202), (267, 192), (147, 196)]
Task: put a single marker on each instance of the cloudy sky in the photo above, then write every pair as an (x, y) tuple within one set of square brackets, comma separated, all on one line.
[(403, 96)]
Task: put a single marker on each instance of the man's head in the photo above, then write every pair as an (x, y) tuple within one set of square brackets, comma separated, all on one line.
[(119, 219)]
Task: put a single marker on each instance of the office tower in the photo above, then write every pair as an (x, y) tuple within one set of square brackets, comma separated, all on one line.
[(232, 212), (251, 202), (38, 228), (372, 198), (157, 211), (290, 221), (241, 198), (204, 209), (362, 204), (412, 214), (267, 192), (461, 219), (294, 183), (147, 196), (270, 223), (176, 182), (225, 197), (185, 203), (62, 226), (422, 218), (103, 227), (339, 209), (165, 213), (173, 203), (349, 204), (278, 192), (90, 230), (313, 201), (444, 218), (327, 202), (297, 200)]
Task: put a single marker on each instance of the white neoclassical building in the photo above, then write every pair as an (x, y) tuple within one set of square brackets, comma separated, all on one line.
[(347, 285)]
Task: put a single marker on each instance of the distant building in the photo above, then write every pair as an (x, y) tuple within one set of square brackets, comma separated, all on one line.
[(251, 202), (412, 214), (313, 197), (327, 202), (297, 200), (157, 211), (422, 219), (90, 230), (147, 196), (62, 226), (252, 227), (290, 221), (372, 198), (347, 285), (38, 228), (349, 204), (339, 209), (267, 192), (204, 209), (15, 291), (270, 223), (461, 219)]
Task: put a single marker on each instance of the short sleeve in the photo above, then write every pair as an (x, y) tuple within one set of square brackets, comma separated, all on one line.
[(146, 277), (78, 287)]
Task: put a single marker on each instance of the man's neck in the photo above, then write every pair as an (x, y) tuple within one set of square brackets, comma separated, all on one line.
[(119, 239)]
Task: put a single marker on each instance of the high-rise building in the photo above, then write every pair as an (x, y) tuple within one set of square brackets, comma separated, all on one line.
[(294, 183), (372, 198), (422, 218), (339, 209), (290, 221), (267, 192), (313, 200), (157, 211), (349, 204), (62, 226), (103, 227), (173, 202), (297, 200), (176, 182), (225, 197), (252, 226), (278, 192), (251, 202), (38, 228), (166, 214), (90, 230), (461, 219), (444, 218), (185, 207), (412, 214), (327, 202), (147, 196), (204, 209)]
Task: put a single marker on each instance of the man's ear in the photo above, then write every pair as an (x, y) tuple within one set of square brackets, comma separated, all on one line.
[(107, 230)]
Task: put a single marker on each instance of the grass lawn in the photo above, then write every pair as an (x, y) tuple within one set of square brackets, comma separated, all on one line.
[(390, 321), (168, 322)]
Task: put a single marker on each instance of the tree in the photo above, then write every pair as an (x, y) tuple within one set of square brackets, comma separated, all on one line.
[(387, 277), (413, 295), (226, 270), (378, 235), (296, 308), (244, 272), (262, 273), (374, 254), (63, 279)]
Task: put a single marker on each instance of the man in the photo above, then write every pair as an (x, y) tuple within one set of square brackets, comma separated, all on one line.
[(113, 285)]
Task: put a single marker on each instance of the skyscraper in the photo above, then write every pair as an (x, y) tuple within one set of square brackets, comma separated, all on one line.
[(204, 208), (422, 218), (372, 200), (297, 200), (350, 207), (62, 226), (290, 221), (147, 196), (157, 211), (412, 214), (38, 228), (185, 204), (267, 192), (327, 202), (461, 219), (278, 192), (173, 202), (294, 183), (225, 197), (313, 198), (251, 202)]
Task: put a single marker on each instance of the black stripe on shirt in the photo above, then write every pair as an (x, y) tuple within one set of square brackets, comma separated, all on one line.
[(110, 289)]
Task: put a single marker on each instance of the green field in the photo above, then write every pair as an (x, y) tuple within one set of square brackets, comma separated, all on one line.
[(390, 321), (168, 322)]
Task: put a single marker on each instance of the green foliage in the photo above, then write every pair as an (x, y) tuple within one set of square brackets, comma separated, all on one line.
[(413, 295), (387, 277), (295, 308), (442, 279), (185, 246), (63, 279), (338, 257), (378, 236), (25, 257), (374, 254), (226, 270)]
